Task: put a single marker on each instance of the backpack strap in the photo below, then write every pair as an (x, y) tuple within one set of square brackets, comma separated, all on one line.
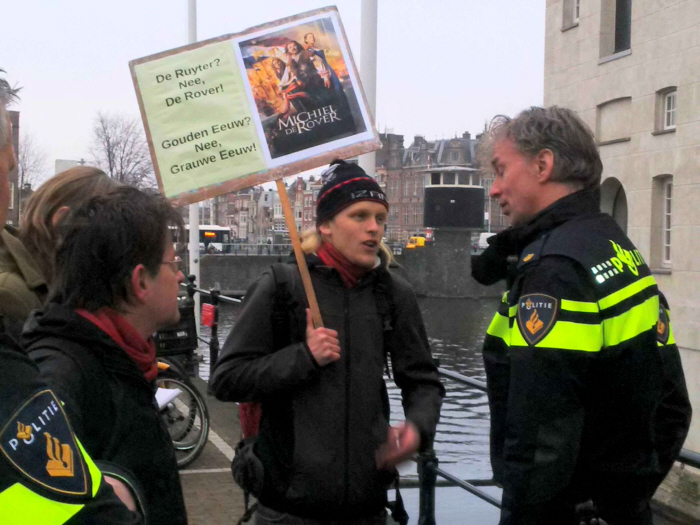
[(286, 328), (384, 296)]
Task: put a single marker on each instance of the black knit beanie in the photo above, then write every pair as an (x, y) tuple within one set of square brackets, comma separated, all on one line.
[(344, 184)]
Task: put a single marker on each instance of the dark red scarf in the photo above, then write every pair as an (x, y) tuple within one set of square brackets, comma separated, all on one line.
[(142, 351), (351, 273)]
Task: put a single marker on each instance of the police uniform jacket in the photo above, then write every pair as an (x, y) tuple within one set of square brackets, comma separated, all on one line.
[(586, 389), (110, 404), (45, 474), (322, 426)]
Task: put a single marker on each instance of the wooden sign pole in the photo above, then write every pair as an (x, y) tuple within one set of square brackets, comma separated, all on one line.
[(301, 260)]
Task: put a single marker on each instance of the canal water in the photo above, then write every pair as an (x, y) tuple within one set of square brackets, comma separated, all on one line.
[(456, 329)]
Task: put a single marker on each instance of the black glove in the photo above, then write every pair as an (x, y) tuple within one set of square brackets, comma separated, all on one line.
[(492, 265)]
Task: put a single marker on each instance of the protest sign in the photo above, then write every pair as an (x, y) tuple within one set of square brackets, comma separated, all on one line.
[(252, 107)]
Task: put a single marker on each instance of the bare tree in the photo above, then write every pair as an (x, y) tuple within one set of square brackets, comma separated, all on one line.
[(119, 148), (31, 161)]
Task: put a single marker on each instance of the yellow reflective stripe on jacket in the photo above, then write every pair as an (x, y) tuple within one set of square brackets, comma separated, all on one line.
[(95, 473), (18, 504), (565, 335), (633, 322), (627, 292), (579, 306), (499, 327)]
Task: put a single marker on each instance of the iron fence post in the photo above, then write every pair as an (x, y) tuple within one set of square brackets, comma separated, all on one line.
[(427, 463), (191, 290), (214, 339)]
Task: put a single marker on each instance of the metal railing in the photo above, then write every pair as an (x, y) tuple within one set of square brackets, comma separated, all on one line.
[(254, 249), (428, 462)]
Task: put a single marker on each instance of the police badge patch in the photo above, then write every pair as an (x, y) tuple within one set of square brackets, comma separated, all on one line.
[(537, 314), (39, 442), (663, 328)]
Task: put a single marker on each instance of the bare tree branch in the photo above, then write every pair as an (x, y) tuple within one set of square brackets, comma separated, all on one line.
[(119, 148), (31, 161)]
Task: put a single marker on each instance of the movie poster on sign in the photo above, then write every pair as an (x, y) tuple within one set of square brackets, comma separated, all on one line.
[(303, 87), (252, 107)]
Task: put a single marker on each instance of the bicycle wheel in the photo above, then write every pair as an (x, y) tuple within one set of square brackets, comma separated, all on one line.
[(185, 416)]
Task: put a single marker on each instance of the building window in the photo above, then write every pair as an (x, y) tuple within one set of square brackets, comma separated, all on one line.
[(12, 195), (670, 110), (623, 25), (666, 233), (405, 188), (571, 13), (454, 156), (448, 178), (666, 109), (463, 179), (615, 26), (662, 222), (435, 179), (405, 214)]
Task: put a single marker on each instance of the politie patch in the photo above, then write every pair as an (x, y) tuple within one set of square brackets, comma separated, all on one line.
[(663, 327), (537, 314), (39, 442)]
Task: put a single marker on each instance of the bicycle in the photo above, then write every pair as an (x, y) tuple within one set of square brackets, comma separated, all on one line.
[(183, 411)]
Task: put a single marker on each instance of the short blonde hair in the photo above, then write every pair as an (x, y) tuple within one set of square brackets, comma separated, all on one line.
[(71, 188), (311, 241)]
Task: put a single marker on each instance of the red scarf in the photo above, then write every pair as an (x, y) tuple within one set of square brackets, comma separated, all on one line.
[(351, 273), (142, 351)]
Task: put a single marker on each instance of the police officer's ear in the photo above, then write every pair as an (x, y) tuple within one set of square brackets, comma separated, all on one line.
[(544, 161)]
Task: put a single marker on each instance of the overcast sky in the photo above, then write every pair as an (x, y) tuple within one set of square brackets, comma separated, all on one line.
[(444, 66)]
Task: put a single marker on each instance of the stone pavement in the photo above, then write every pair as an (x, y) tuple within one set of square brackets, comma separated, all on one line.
[(211, 496)]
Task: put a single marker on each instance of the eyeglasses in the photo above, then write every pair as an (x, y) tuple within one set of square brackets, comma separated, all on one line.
[(174, 264)]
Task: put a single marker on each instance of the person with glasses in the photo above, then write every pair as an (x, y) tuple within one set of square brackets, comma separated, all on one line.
[(35, 487), (115, 283)]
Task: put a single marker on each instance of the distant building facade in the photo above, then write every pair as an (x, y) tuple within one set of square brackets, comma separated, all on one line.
[(403, 174)]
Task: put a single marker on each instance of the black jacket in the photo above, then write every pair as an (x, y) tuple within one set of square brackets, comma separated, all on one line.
[(321, 427), (28, 494), (587, 394), (110, 403)]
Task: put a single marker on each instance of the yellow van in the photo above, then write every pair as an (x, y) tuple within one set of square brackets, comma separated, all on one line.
[(414, 242)]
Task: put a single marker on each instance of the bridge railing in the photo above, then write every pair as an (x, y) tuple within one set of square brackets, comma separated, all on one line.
[(255, 249), (428, 462)]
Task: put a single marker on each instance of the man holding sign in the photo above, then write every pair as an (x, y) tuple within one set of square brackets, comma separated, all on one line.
[(325, 450)]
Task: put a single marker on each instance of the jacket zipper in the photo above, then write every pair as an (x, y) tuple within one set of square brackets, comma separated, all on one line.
[(346, 502)]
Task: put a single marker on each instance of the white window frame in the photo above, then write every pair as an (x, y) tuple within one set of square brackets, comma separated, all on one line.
[(576, 14), (669, 111), (666, 224), (12, 196)]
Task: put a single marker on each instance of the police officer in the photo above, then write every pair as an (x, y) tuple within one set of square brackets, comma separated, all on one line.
[(45, 475), (589, 406)]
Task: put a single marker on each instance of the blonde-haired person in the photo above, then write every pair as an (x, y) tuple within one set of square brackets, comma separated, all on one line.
[(51, 204), (326, 452), (27, 254)]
